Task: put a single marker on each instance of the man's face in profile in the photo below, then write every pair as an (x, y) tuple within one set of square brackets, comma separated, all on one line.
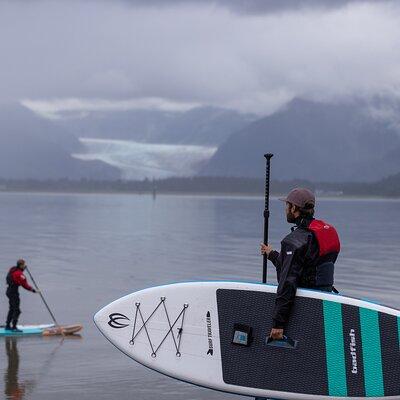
[(289, 213)]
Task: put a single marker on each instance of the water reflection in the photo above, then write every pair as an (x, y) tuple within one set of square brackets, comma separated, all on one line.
[(196, 238), (13, 388), (16, 388)]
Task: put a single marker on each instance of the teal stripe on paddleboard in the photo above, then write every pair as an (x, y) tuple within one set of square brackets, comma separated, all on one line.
[(398, 329), (335, 359), (372, 356), (26, 331)]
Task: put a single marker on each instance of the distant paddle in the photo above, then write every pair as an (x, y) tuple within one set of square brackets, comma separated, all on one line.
[(41, 295)]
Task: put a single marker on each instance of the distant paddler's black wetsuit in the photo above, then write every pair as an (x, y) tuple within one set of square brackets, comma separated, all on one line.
[(306, 260), (15, 279)]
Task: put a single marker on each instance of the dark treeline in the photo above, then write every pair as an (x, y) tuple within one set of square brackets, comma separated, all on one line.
[(389, 187)]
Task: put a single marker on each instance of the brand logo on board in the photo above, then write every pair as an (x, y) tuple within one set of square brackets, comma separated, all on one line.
[(353, 351), (209, 335), (115, 321)]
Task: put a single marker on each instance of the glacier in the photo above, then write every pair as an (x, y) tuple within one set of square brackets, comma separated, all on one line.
[(138, 160)]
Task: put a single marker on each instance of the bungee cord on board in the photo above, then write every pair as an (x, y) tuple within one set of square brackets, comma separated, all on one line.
[(155, 349)]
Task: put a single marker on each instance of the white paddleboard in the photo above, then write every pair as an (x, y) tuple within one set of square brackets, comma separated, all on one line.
[(213, 334)]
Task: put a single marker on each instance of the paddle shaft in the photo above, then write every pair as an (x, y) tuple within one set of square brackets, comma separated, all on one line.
[(266, 221), (266, 211), (44, 301)]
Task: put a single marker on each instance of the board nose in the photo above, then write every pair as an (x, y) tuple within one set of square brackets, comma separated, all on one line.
[(99, 319)]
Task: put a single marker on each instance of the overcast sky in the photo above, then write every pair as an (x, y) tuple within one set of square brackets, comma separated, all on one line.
[(250, 55)]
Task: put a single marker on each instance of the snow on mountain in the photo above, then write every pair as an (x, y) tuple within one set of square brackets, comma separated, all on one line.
[(146, 160)]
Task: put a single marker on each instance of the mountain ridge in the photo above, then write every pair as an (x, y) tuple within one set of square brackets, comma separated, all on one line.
[(34, 148), (321, 142)]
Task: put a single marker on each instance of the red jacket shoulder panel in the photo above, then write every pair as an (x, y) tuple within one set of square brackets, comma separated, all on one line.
[(326, 235)]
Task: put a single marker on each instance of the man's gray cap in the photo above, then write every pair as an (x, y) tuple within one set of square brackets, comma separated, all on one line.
[(300, 197)]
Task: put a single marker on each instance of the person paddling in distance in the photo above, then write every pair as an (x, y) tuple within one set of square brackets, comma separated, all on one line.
[(15, 279), (307, 257)]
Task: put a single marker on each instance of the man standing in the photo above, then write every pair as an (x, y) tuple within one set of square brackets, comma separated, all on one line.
[(306, 258), (15, 279)]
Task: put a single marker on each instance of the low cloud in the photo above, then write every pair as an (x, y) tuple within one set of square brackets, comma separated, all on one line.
[(187, 53), (252, 6), (55, 108)]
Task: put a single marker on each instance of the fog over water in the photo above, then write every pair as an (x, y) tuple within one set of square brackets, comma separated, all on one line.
[(88, 250)]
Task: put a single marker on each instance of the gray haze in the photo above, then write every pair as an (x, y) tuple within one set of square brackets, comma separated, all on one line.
[(252, 6), (234, 54)]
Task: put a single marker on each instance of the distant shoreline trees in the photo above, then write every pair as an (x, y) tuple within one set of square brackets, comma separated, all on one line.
[(388, 187)]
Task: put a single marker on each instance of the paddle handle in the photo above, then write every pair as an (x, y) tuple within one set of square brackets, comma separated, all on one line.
[(266, 210), (41, 295)]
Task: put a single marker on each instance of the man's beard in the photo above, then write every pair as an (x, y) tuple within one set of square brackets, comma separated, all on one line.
[(290, 218)]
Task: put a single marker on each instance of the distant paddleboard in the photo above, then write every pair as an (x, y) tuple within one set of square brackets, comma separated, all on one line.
[(26, 330), (214, 334), (43, 330), (62, 330)]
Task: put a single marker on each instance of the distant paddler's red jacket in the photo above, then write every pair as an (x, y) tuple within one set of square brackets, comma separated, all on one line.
[(16, 278)]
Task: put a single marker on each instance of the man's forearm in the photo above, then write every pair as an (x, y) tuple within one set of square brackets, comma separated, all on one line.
[(281, 312), (286, 292), (273, 256)]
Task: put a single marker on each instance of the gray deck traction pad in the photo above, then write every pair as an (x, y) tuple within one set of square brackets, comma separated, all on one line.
[(300, 370)]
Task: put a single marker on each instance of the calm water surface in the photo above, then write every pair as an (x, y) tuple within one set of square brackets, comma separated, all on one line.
[(87, 250)]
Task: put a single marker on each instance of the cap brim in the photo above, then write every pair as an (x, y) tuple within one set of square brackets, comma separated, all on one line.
[(282, 199)]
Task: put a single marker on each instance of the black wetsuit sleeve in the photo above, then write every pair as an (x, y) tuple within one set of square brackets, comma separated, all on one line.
[(275, 257), (288, 277)]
